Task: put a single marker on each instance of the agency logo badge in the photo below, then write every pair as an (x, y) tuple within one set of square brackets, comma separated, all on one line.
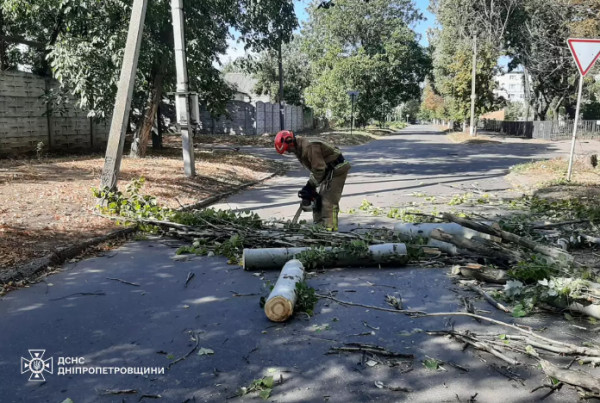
[(37, 365)]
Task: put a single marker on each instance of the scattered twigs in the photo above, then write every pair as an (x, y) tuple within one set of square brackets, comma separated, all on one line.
[(368, 348), (197, 337), (489, 299), (505, 371), (77, 294), (553, 388), (190, 276), (481, 345), (123, 281), (587, 351)]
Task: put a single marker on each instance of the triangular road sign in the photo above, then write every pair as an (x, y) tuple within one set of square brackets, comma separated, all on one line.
[(586, 52)]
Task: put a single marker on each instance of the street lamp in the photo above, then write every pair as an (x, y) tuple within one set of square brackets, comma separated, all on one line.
[(353, 96)]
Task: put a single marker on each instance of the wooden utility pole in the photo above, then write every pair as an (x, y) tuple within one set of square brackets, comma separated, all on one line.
[(182, 103), (118, 126), (473, 96)]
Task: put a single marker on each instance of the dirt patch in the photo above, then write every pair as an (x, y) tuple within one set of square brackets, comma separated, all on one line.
[(534, 175), (48, 204), (465, 138)]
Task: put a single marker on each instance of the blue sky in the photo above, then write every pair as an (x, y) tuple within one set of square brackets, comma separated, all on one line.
[(420, 28), (236, 50)]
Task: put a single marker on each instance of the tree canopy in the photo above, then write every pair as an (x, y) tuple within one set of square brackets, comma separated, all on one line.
[(367, 47)]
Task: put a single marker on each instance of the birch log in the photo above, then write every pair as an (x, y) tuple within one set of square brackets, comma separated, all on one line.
[(378, 255), (280, 304)]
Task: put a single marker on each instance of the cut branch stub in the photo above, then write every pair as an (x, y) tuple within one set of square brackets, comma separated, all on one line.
[(280, 304)]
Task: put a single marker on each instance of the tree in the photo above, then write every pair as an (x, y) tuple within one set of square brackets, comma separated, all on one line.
[(433, 106), (86, 53), (296, 76), (365, 47), (460, 22), (537, 40)]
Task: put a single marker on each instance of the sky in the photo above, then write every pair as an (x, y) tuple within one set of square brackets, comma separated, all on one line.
[(236, 50)]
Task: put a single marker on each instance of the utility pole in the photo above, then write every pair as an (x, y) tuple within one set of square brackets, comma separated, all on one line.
[(118, 125), (473, 96), (281, 107), (182, 103)]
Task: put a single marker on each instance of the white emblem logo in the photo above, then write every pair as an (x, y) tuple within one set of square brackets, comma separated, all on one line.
[(36, 365)]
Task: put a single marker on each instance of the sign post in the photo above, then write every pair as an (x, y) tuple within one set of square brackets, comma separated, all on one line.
[(585, 52), (353, 96)]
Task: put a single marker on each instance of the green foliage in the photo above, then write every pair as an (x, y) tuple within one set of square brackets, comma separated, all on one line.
[(532, 270), (265, 69), (514, 111), (367, 47), (83, 42), (205, 217), (131, 204), (262, 385), (306, 298), (318, 257)]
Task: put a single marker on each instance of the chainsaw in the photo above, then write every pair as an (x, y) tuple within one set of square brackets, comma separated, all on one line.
[(312, 204)]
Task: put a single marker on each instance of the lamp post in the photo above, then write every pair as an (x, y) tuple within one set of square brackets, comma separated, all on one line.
[(353, 96)]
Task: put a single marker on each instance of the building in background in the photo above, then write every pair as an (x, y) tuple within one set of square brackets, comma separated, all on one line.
[(511, 86)]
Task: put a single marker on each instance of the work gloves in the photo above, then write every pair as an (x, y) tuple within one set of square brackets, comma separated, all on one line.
[(311, 200), (308, 192)]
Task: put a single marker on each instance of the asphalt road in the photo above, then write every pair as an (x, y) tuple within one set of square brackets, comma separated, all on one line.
[(131, 308)]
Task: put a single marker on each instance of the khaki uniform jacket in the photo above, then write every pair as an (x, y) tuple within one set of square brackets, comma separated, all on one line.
[(314, 155)]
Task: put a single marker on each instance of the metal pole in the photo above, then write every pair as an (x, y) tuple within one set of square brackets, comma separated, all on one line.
[(472, 128), (575, 128), (281, 107), (118, 125), (182, 95), (352, 114)]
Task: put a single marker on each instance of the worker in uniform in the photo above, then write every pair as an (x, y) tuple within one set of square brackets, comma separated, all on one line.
[(328, 172)]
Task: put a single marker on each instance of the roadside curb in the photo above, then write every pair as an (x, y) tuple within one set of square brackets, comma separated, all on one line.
[(27, 270)]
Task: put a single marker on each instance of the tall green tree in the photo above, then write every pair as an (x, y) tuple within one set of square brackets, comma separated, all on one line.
[(537, 40), (367, 47), (85, 41), (296, 73), (461, 22)]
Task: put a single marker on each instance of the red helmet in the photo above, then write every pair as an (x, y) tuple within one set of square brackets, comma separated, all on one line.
[(283, 140)]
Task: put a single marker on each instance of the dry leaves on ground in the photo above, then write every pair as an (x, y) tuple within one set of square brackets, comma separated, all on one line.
[(48, 204)]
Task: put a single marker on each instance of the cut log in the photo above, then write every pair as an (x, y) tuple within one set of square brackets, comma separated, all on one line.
[(493, 252), (416, 230), (557, 255), (378, 255), (575, 378), (280, 304), (483, 273)]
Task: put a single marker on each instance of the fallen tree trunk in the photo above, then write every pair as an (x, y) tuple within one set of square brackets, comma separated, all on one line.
[(377, 255), (490, 250), (415, 230), (557, 255), (280, 304)]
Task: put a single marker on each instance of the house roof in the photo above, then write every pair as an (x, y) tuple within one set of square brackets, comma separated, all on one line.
[(241, 82)]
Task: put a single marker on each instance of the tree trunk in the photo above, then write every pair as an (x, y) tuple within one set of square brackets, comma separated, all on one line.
[(3, 45), (143, 133), (157, 137)]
